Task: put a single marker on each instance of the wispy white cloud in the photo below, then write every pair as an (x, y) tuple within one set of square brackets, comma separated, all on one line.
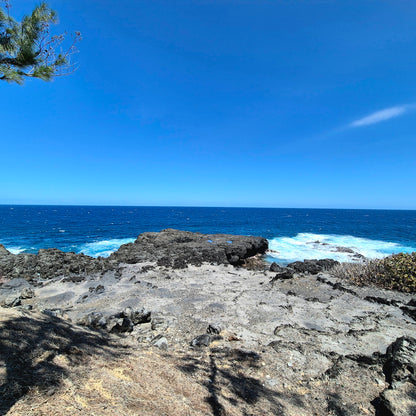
[(381, 115)]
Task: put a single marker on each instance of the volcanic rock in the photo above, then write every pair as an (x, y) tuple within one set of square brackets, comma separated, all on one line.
[(169, 248), (401, 361), (201, 340), (160, 342), (312, 266), (400, 371), (177, 249), (48, 263)]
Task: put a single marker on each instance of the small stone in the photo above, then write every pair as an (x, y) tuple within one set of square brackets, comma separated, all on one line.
[(82, 298), (214, 329), (27, 293), (53, 312), (11, 302), (201, 341), (233, 337), (97, 290), (160, 342), (272, 382), (141, 316), (119, 325), (93, 320)]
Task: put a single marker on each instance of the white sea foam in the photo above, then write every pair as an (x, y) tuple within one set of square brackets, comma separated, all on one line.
[(103, 248), (318, 246), (15, 250)]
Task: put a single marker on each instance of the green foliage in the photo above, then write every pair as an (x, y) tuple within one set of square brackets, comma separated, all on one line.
[(398, 272), (395, 272), (27, 48)]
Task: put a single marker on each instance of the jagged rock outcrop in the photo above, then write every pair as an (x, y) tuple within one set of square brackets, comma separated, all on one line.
[(120, 322), (312, 266), (399, 399), (174, 248), (48, 263), (309, 267), (171, 248)]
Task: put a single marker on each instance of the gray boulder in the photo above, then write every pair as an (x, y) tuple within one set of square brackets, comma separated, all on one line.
[(202, 340), (160, 342), (118, 323)]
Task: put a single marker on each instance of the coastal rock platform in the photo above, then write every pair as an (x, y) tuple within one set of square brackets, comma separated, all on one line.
[(168, 247), (206, 339)]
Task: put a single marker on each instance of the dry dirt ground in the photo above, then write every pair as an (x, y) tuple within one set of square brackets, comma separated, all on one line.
[(305, 346)]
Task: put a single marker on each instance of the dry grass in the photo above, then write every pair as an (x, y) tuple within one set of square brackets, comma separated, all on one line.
[(50, 367), (395, 272), (142, 385), (362, 273)]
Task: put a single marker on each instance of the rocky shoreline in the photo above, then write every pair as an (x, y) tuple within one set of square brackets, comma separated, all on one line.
[(257, 339), (170, 248)]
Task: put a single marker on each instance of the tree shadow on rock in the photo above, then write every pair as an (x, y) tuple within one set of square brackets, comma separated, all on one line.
[(226, 377), (29, 346)]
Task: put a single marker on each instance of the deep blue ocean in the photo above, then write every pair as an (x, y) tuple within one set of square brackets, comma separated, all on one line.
[(293, 234)]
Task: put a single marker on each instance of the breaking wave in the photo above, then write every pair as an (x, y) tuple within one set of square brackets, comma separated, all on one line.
[(16, 250), (103, 248), (344, 248)]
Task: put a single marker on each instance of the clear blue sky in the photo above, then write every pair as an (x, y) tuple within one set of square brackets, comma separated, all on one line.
[(278, 103)]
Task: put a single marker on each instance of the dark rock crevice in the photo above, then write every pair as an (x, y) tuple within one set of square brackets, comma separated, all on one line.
[(336, 285)]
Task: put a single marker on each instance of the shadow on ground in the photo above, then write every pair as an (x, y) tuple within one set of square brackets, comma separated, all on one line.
[(226, 377), (29, 346)]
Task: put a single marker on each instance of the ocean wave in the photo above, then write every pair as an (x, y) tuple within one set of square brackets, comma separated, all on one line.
[(103, 248), (16, 250), (346, 248)]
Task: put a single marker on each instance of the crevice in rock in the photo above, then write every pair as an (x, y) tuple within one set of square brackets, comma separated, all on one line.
[(336, 286), (381, 301)]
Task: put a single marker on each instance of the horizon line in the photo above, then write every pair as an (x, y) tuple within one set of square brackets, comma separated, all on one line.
[(201, 206)]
